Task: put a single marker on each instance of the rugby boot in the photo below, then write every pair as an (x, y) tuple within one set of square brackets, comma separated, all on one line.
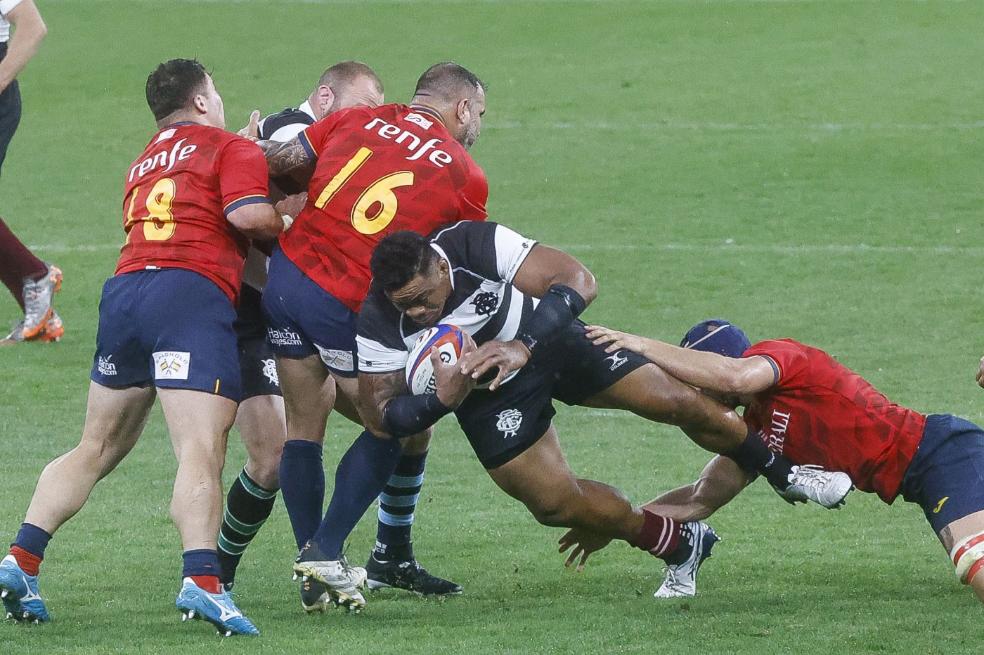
[(343, 583), (826, 488), (314, 596), (19, 592), (408, 575), (38, 295), (51, 333), (218, 609), (680, 580)]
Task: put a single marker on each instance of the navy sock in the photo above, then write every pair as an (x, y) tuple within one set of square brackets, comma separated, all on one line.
[(396, 507), (754, 455), (359, 479), (302, 482), (32, 539), (200, 562)]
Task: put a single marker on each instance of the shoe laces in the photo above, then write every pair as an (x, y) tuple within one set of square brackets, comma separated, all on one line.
[(810, 475)]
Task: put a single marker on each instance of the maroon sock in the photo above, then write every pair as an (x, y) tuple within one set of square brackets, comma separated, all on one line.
[(17, 263), (660, 535)]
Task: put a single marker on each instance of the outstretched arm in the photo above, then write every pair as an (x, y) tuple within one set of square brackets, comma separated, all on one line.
[(720, 481), (29, 30), (710, 371)]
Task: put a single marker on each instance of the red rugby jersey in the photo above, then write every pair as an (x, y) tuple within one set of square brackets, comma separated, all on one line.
[(178, 193), (821, 412), (379, 170)]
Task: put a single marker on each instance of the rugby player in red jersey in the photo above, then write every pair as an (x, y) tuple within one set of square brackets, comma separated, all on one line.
[(192, 200), (373, 171), (811, 408)]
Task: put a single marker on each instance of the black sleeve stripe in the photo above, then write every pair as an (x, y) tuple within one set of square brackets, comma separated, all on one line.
[(273, 122)]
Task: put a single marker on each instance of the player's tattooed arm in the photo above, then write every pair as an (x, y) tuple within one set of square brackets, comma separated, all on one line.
[(375, 390), (287, 158)]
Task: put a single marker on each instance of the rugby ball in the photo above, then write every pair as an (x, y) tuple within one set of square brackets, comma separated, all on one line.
[(448, 340)]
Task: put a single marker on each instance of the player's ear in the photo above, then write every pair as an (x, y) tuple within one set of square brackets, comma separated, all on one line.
[(200, 104), (325, 99), (463, 110)]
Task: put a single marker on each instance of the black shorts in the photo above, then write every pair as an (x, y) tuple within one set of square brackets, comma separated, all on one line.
[(256, 361), (502, 424), (10, 111)]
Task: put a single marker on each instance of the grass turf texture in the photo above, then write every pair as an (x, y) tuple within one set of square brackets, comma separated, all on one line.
[(807, 169)]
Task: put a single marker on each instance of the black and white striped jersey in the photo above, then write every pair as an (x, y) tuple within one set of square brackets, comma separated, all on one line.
[(483, 258), (284, 126)]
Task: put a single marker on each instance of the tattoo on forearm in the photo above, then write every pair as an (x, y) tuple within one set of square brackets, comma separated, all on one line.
[(378, 389), (286, 157)]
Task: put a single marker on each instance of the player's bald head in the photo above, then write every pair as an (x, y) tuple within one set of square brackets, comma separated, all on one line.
[(173, 84), (347, 77), (447, 83)]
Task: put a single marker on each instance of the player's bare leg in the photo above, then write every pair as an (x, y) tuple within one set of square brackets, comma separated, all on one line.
[(541, 479), (964, 541), (652, 393), (114, 421), (199, 424), (262, 423)]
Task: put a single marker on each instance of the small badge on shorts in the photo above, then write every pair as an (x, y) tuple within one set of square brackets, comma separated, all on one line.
[(616, 359), (270, 371), (509, 422), (171, 365), (340, 360)]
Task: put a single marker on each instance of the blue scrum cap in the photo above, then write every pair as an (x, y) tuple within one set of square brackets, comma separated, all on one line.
[(717, 336)]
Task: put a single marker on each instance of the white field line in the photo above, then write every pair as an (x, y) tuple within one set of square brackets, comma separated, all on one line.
[(712, 126), (767, 249)]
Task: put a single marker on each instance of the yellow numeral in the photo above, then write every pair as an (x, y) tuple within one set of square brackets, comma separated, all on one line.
[(159, 224), (378, 193)]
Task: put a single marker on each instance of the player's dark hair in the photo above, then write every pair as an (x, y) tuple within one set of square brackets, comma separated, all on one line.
[(448, 81), (337, 76), (399, 258), (172, 85)]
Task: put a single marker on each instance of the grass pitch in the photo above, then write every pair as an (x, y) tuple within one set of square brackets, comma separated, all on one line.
[(806, 169)]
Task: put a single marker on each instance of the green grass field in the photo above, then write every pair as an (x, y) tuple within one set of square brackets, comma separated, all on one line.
[(806, 169)]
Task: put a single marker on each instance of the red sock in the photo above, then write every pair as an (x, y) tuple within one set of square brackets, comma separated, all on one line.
[(660, 535), (209, 583), (29, 562), (17, 263)]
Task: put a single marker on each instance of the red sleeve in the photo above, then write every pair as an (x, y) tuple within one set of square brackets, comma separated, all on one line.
[(314, 136), (789, 358), (243, 178), (474, 195)]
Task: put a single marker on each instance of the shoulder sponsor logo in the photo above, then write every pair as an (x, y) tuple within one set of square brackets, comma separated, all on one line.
[(171, 365), (283, 337), (106, 367), (270, 371), (341, 360), (508, 423)]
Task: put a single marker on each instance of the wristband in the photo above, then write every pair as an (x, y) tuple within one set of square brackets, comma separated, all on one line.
[(556, 310), (406, 415)]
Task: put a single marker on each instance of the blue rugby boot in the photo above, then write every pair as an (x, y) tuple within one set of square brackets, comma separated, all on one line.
[(19, 592), (681, 578), (218, 609)]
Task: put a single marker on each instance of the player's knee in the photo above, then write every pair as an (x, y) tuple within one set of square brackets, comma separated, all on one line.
[(967, 556), (551, 511)]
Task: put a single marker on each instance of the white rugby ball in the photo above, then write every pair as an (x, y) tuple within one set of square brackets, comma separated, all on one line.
[(448, 340)]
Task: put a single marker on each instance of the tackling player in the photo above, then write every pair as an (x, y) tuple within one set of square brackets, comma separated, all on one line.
[(520, 301), (260, 417), (192, 199), (810, 407), (375, 170)]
